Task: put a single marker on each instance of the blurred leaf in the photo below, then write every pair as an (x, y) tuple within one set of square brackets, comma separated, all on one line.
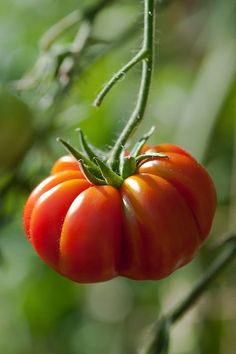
[(211, 87), (16, 129), (47, 299)]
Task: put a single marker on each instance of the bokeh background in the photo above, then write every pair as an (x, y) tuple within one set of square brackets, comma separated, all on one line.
[(192, 103)]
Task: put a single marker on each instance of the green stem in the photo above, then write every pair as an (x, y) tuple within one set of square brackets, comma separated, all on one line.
[(156, 344), (81, 38), (69, 21), (51, 35), (147, 67), (202, 285), (136, 59)]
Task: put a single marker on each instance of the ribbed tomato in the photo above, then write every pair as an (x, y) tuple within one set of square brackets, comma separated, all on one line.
[(153, 224)]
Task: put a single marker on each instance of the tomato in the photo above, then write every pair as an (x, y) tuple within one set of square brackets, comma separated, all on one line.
[(153, 224)]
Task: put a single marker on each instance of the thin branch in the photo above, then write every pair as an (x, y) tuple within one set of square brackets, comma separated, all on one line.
[(136, 59), (54, 32), (76, 16), (81, 38), (119, 75), (156, 344), (225, 258)]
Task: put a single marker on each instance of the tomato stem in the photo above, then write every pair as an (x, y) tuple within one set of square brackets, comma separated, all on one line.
[(118, 76), (146, 55)]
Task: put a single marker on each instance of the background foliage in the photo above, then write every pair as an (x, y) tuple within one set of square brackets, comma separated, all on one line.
[(192, 103)]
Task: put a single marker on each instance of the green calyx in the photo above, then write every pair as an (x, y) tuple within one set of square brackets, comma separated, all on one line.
[(96, 170), (128, 166), (148, 156), (110, 177), (141, 142), (84, 161)]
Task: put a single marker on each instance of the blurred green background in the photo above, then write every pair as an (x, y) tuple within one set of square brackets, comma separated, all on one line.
[(192, 103)]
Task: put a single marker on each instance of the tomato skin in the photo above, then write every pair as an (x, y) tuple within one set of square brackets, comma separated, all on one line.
[(66, 162), (165, 148), (157, 228), (43, 187), (48, 216), (192, 182), (153, 224), (96, 216)]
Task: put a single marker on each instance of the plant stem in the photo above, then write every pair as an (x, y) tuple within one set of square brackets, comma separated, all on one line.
[(69, 21), (136, 59), (201, 286), (51, 35), (156, 344), (147, 67)]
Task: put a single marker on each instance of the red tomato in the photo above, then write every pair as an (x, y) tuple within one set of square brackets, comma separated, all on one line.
[(153, 224)]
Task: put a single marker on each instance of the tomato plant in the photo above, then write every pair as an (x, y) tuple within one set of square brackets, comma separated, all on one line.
[(145, 228)]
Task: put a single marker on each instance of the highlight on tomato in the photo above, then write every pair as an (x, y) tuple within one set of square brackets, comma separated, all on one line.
[(143, 218)]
